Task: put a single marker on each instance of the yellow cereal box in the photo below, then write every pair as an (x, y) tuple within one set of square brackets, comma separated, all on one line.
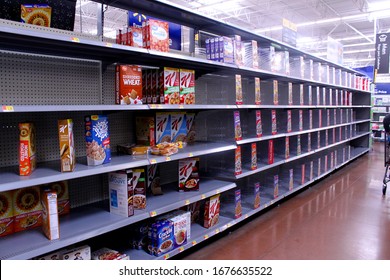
[(37, 14), (6, 213), (27, 208)]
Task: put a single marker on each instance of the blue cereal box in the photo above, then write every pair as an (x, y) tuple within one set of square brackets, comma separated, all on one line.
[(163, 127), (163, 237), (97, 138)]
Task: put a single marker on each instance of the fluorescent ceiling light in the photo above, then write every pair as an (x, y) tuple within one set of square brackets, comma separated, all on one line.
[(378, 6), (221, 5), (359, 51), (358, 45)]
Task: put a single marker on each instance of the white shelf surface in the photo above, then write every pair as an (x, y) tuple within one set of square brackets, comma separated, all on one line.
[(50, 171), (87, 222)]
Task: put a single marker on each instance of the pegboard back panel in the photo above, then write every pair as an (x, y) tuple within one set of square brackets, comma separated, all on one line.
[(29, 79), (121, 130)]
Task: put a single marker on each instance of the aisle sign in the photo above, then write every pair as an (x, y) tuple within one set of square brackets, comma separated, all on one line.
[(136, 19), (289, 32), (382, 61)]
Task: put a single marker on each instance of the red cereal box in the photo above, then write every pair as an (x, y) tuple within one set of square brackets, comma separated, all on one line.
[(189, 174), (259, 126), (27, 208), (157, 35), (135, 37), (169, 85), (253, 156), (289, 125), (27, 150), (187, 86), (6, 213), (211, 211), (128, 85), (270, 151)]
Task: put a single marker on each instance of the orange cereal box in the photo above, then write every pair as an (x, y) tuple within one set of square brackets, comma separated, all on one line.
[(27, 208), (27, 158), (6, 214), (187, 86), (128, 84), (50, 222), (37, 14)]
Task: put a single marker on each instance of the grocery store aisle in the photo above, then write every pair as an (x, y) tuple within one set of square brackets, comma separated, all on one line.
[(344, 216)]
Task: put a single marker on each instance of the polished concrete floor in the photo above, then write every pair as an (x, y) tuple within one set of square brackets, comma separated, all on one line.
[(342, 217)]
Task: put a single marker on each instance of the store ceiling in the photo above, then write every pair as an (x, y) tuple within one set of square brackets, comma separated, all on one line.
[(351, 22)]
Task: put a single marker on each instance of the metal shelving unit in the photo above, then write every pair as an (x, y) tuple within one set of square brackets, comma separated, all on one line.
[(51, 48)]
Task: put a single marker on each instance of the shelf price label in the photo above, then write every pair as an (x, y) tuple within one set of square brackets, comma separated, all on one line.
[(75, 39), (187, 202), (246, 216), (153, 106), (153, 213), (109, 45), (203, 196), (206, 237), (8, 108), (181, 106), (153, 161), (190, 154), (228, 225), (217, 231), (194, 243), (217, 191), (168, 159), (166, 256), (181, 249)]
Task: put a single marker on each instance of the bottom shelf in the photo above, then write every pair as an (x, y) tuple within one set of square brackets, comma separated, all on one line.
[(226, 220)]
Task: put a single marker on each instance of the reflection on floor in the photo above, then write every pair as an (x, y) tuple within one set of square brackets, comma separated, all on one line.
[(344, 216)]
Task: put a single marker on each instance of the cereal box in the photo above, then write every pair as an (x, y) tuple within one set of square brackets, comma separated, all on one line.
[(291, 179), (300, 120), (239, 97), (146, 93), (309, 142), (303, 176), (257, 201), (237, 161), (155, 83), (274, 122), (78, 254), (238, 50), (169, 85), (153, 179), (276, 92), (139, 186), (253, 156), (27, 208), (189, 174), (276, 186), (319, 167), (330, 96), (97, 137), (191, 133), (27, 149), (287, 147), (340, 134), (181, 226), (211, 211), (226, 50), (50, 222), (108, 254), (257, 91), (310, 93), (62, 190), (178, 127), (299, 149), (54, 256), (324, 96), (335, 158), (334, 116), (145, 131), (135, 37), (237, 126), (187, 86), (6, 213), (157, 35), (270, 151), (301, 95), (121, 193), (326, 163), (290, 94), (237, 204), (163, 127), (318, 96), (319, 118), (36, 14), (310, 119), (163, 238), (259, 126), (128, 84), (311, 171), (326, 138), (318, 139), (289, 124), (66, 140)]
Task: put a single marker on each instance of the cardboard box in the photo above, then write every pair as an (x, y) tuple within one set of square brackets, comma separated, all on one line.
[(36, 14), (287, 148), (291, 179), (27, 208), (67, 149), (289, 124), (50, 221), (108, 254), (276, 186), (181, 226), (310, 95), (63, 201), (157, 35), (311, 171), (135, 37), (270, 151), (121, 192), (257, 91), (6, 213), (276, 92), (188, 174), (259, 126), (79, 253), (237, 204), (239, 98), (211, 211), (139, 186), (128, 84), (153, 179), (178, 127), (27, 149), (145, 131), (303, 175), (257, 201), (190, 122), (237, 126), (169, 85), (237, 161), (300, 120), (274, 122), (97, 138), (309, 142), (310, 119), (299, 147), (253, 156), (163, 127), (187, 86), (290, 93)]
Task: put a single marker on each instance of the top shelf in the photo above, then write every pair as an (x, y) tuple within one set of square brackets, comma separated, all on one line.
[(162, 9)]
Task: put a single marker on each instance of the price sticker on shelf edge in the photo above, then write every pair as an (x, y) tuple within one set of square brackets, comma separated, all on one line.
[(203, 196), (190, 154), (206, 237), (109, 45), (217, 231), (194, 243), (8, 108), (153, 161), (153, 213), (187, 202), (181, 249), (246, 216), (181, 106), (75, 39), (166, 256), (228, 225), (168, 159)]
